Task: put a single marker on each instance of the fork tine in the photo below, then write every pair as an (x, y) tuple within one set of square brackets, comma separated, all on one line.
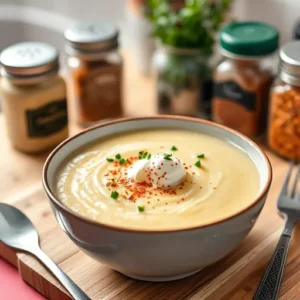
[(283, 191), (294, 185)]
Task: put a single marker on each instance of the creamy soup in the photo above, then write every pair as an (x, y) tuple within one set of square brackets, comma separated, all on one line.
[(158, 179)]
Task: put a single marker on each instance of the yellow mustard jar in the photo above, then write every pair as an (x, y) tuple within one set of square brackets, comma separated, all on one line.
[(33, 96)]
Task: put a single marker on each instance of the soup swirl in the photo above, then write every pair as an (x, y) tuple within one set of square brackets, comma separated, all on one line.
[(158, 179)]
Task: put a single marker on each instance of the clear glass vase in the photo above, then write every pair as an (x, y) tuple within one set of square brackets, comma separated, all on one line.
[(183, 81)]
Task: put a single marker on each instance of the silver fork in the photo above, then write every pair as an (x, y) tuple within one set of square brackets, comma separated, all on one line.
[(289, 205)]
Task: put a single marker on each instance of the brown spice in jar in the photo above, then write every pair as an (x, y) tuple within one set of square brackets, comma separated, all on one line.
[(245, 80), (97, 91), (284, 126)]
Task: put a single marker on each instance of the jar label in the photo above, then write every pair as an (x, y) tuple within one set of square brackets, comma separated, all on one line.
[(230, 90), (47, 119)]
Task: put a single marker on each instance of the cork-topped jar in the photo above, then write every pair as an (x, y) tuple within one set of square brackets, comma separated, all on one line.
[(33, 96), (243, 78), (284, 118), (95, 71)]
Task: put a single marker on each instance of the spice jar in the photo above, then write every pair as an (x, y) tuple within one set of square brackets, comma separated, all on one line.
[(243, 78), (33, 96), (95, 71), (284, 118)]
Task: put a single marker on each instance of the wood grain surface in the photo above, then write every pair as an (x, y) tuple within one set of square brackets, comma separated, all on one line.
[(233, 278)]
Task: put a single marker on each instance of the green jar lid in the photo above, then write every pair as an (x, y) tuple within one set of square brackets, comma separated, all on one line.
[(249, 38)]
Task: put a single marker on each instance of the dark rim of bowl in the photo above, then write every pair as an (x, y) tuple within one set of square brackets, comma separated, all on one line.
[(59, 204)]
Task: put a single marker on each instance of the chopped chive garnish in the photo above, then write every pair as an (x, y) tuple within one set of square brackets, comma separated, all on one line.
[(118, 156), (114, 195), (122, 161), (198, 164), (167, 156), (173, 148), (141, 208), (200, 155), (110, 159), (145, 155), (149, 156)]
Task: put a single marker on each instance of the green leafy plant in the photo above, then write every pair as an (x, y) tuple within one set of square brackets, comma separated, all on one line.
[(190, 25)]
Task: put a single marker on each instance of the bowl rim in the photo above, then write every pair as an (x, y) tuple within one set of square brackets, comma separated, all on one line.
[(67, 210)]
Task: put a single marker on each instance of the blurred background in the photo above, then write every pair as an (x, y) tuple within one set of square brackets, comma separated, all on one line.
[(212, 59), (46, 20)]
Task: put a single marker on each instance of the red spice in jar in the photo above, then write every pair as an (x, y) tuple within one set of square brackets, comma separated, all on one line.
[(95, 71)]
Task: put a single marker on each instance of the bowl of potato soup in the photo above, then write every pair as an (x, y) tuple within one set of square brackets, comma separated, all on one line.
[(157, 198)]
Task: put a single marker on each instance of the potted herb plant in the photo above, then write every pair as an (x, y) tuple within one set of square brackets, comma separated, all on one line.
[(185, 31)]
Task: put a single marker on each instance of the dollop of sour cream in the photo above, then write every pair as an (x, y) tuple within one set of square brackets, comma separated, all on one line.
[(159, 170)]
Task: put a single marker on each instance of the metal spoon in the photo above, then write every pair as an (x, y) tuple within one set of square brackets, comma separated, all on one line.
[(17, 231)]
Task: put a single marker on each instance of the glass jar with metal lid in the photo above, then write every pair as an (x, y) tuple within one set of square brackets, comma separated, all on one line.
[(95, 71), (33, 96), (284, 116), (243, 78), (183, 81)]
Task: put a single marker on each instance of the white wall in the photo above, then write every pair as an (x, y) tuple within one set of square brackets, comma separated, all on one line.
[(46, 20), (283, 14)]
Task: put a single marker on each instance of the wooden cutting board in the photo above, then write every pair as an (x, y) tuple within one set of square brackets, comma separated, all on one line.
[(234, 278)]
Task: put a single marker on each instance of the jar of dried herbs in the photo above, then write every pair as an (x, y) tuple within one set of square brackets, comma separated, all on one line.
[(95, 71), (243, 78), (33, 96), (284, 119)]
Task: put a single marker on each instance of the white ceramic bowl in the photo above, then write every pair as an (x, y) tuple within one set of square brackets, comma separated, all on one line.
[(156, 255)]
